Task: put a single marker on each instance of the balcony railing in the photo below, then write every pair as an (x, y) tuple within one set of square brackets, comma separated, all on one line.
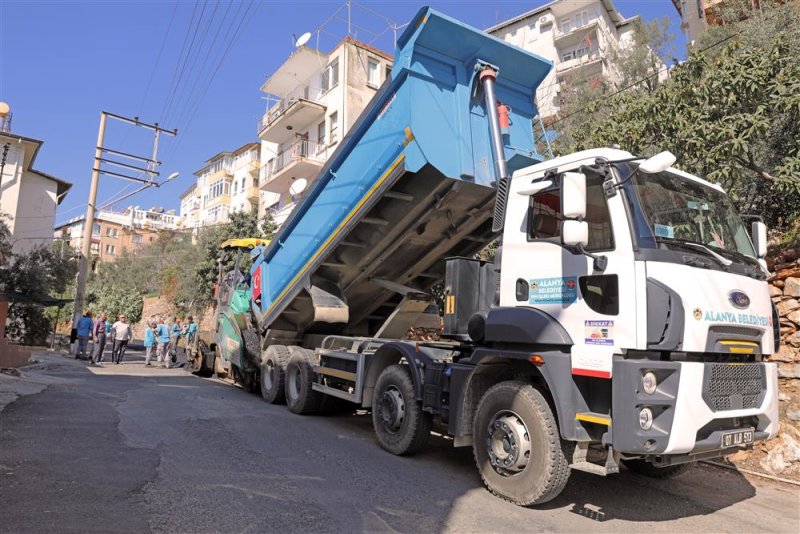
[(306, 92), (579, 61), (296, 151)]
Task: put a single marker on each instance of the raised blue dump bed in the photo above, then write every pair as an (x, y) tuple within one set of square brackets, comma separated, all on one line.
[(410, 184)]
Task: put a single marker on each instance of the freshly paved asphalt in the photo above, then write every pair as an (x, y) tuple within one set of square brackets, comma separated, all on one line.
[(132, 449)]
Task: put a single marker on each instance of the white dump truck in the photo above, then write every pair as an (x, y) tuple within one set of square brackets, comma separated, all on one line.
[(625, 319)]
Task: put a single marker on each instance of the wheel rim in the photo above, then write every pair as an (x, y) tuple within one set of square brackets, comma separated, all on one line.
[(393, 409), (294, 382), (508, 443), (268, 375)]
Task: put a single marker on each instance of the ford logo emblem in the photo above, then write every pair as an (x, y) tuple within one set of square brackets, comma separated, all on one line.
[(739, 299)]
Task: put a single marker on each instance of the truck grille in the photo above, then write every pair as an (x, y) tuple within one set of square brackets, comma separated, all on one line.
[(733, 387)]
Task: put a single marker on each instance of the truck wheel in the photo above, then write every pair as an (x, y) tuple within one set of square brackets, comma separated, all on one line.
[(517, 447), (649, 470), (400, 424), (273, 369), (300, 395), (199, 366)]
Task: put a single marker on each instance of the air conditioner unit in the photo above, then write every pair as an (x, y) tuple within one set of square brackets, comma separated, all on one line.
[(544, 19)]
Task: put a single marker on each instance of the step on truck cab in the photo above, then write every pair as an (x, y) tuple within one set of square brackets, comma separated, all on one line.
[(625, 319)]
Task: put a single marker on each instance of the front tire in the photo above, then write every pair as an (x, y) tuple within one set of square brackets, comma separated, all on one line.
[(273, 374), (400, 424), (517, 447), (219, 369), (649, 470)]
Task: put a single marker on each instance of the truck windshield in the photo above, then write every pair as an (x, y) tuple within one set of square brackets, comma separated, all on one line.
[(676, 212)]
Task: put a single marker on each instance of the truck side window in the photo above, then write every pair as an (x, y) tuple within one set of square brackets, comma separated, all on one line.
[(544, 216), (601, 293)]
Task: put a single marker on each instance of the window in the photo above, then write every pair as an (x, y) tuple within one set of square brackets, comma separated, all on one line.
[(334, 122), (388, 72), (111, 249), (112, 232), (700, 9), (544, 215), (96, 229), (241, 187), (601, 293), (217, 189), (330, 76), (321, 135), (566, 24), (532, 33), (235, 186), (373, 73), (136, 238), (581, 19)]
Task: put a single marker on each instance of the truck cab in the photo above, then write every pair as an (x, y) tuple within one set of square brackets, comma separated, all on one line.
[(661, 294)]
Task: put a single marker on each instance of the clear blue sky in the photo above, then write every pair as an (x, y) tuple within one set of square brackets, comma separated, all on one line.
[(62, 62)]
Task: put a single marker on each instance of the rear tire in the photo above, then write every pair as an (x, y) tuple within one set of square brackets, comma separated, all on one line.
[(649, 470), (400, 424), (517, 447), (300, 395), (273, 374), (202, 363)]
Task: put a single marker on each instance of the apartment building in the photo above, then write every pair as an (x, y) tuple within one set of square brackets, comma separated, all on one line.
[(28, 196), (698, 15), (578, 36), (227, 183), (114, 232), (313, 99)]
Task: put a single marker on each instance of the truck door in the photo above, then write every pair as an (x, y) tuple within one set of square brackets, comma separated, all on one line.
[(596, 307)]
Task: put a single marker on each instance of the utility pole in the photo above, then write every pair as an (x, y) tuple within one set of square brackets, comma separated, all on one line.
[(97, 170)]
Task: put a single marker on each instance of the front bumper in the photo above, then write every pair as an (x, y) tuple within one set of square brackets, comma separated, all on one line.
[(693, 406)]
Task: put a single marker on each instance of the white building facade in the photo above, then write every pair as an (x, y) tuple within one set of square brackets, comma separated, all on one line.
[(578, 36), (313, 100), (227, 183), (28, 197)]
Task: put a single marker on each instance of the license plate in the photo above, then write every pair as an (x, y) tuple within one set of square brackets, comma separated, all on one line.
[(737, 438)]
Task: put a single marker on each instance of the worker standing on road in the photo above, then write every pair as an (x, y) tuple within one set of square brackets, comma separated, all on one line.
[(162, 337), (189, 335), (99, 339), (84, 331), (149, 341), (176, 336), (121, 331)]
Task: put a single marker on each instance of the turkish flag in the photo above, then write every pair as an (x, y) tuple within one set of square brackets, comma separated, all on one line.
[(257, 283)]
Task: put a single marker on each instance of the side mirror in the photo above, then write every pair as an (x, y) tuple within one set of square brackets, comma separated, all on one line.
[(658, 163), (575, 233), (759, 231), (573, 195)]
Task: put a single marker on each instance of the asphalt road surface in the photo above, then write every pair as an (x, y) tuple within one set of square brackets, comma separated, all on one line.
[(132, 449)]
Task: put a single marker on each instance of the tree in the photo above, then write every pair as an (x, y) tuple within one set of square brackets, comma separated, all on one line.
[(35, 275), (731, 114)]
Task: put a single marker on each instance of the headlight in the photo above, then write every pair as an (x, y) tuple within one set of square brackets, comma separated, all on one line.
[(649, 382), (646, 419)]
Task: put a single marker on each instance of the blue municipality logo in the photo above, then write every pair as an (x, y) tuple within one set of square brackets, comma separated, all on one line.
[(739, 299)]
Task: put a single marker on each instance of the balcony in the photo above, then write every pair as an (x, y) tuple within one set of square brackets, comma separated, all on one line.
[(302, 159), (593, 59), (291, 114), (574, 36), (253, 194)]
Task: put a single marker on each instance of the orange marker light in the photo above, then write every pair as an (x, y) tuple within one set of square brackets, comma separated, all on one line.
[(535, 359)]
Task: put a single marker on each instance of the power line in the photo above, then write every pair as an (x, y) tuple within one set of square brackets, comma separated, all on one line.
[(192, 60), (172, 84), (158, 57)]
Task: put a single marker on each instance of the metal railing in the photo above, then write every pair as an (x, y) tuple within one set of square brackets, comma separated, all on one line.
[(296, 151), (305, 92)]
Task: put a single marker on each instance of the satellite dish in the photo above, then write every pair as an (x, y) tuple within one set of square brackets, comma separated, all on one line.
[(303, 39), (298, 186), (4, 108)]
